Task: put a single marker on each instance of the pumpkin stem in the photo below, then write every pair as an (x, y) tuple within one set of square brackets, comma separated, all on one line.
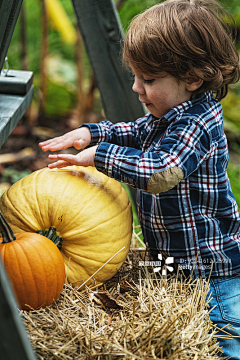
[(51, 234), (7, 233)]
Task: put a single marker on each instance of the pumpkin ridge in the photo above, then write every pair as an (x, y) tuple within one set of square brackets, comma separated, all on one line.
[(92, 260), (58, 205), (85, 270), (80, 256), (101, 189), (43, 264), (55, 264), (22, 276), (102, 222), (64, 191), (37, 200), (55, 273), (109, 219), (34, 278), (24, 220), (59, 202), (16, 266), (45, 280), (121, 187)]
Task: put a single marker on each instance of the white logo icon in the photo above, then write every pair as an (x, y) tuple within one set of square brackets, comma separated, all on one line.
[(168, 260)]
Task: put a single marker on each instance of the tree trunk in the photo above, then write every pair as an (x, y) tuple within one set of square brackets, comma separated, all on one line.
[(43, 70)]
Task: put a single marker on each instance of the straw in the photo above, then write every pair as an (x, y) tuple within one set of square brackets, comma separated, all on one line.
[(156, 318)]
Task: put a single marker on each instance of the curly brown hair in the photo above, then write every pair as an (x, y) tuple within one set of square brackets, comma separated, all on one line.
[(183, 37)]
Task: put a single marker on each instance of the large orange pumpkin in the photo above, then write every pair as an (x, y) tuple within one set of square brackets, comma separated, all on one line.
[(88, 210), (34, 265)]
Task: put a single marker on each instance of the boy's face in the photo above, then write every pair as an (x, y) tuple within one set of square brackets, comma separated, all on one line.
[(160, 94)]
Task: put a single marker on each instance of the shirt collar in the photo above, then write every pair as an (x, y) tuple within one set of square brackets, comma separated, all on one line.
[(177, 111)]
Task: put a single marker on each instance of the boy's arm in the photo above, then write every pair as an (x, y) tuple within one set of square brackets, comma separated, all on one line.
[(159, 170), (178, 155), (123, 134), (89, 135)]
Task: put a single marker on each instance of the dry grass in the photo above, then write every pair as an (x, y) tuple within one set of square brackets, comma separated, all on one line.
[(136, 315)]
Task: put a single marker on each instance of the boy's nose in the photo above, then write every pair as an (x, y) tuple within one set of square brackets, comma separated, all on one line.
[(137, 86)]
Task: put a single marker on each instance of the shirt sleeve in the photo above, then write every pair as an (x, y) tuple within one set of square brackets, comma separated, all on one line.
[(122, 134), (180, 153)]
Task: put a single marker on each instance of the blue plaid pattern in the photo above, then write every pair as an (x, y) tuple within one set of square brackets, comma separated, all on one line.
[(197, 222)]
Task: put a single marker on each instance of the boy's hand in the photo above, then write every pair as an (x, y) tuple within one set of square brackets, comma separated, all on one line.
[(84, 158), (79, 138)]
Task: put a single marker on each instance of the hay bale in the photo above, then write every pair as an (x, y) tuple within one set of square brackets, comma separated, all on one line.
[(136, 315)]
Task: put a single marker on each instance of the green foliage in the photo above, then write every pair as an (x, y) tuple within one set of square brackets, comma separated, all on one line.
[(60, 99), (11, 175), (233, 6), (138, 240), (234, 176), (135, 216), (56, 45), (60, 94), (231, 111), (131, 8)]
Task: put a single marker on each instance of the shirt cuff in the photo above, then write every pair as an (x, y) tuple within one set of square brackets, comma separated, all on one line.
[(104, 158), (97, 134)]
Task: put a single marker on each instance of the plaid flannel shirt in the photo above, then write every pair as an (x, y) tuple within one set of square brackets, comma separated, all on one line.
[(197, 221)]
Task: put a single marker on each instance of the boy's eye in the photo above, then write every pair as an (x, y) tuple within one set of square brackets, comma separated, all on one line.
[(148, 81)]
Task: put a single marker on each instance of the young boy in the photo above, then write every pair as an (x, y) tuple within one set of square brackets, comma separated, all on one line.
[(183, 59)]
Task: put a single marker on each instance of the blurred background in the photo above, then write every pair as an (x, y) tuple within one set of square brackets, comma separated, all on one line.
[(47, 42)]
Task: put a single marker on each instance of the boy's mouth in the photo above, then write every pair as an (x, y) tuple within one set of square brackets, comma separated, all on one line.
[(146, 104)]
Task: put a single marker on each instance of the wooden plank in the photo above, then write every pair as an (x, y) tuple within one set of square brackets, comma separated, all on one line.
[(9, 12), (101, 31), (12, 108), (14, 343)]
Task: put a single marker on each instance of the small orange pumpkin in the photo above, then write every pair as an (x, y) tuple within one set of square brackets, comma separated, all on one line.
[(34, 266)]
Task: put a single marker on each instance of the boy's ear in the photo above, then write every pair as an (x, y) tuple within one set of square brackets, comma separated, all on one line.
[(193, 82)]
